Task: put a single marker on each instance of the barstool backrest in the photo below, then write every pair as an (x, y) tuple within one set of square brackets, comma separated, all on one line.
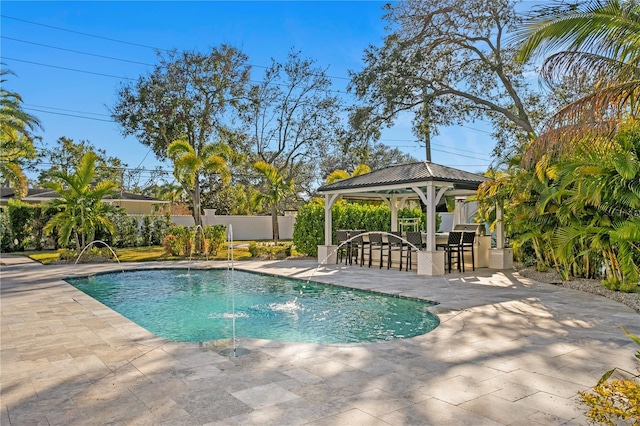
[(375, 238), (415, 238), (455, 238), (394, 239), (468, 238)]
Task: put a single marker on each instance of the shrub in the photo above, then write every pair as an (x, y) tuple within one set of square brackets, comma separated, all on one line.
[(160, 226), (214, 236), (185, 241), (269, 250), (42, 215), (614, 399), (171, 245), (308, 231), (125, 233), (19, 215), (25, 223), (146, 231), (616, 284), (6, 240), (67, 254), (153, 229)]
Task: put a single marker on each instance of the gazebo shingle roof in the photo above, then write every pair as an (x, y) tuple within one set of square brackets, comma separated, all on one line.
[(411, 173)]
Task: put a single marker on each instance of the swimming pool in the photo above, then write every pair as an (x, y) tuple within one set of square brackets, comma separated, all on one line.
[(198, 305)]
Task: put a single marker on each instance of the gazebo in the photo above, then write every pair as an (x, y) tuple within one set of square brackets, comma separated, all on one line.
[(395, 185)]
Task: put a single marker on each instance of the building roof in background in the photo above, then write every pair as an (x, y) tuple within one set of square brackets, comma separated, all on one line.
[(41, 194)]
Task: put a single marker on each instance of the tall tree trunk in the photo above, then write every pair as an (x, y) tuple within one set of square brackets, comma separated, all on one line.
[(274, 223), (427, 143), (197, 212)]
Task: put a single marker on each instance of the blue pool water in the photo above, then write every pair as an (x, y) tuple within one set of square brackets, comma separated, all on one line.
[(197, 306)]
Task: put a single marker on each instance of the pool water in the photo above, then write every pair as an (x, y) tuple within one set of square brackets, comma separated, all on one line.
[(198, 305)]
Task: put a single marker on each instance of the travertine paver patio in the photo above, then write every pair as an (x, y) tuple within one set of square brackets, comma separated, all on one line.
[(507, 351)]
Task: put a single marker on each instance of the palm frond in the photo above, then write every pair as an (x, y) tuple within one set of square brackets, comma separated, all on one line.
[(178, 148), (608, 28), (17, 179), (594, 118), (361, 169), (335, 176), (590, 68)]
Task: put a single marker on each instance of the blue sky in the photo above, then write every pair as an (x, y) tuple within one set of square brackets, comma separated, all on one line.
[(45, 45)]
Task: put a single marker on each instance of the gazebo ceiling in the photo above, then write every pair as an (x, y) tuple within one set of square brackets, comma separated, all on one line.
[(400, 179)]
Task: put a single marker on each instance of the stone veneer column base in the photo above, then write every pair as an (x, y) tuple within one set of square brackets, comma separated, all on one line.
[(501, 258), (431, 263), (327, 255)]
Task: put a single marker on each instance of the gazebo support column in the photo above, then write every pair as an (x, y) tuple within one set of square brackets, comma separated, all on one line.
[(500, 257), (394, 213), (431, 261), (327, 254)]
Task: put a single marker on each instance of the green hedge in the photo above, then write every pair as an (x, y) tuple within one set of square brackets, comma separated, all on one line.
[(22, 227), (308, 231)]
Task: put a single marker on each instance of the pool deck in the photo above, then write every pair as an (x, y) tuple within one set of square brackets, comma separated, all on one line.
[(507, 351)]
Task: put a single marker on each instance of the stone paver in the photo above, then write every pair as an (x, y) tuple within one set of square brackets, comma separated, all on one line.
[(507, 351)]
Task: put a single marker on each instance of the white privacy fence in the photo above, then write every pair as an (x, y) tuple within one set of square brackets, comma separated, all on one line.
[(244, 227)]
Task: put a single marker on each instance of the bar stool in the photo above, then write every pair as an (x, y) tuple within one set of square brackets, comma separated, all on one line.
[(375, 242), (395, 245), (467, 244), (344, 247), (415, 240), (453, 247)]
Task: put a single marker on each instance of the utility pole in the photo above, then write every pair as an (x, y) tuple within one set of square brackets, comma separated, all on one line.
[(425, 126), (427, 143)]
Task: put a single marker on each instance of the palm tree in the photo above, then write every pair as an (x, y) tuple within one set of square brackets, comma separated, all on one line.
[(81, 211), (276, 189), (16, 140), (189, 165), (602, 190), (337, 175), (600, 45), (15, 148)]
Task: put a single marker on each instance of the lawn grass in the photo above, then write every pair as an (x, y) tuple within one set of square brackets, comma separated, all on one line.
[(145, 254)]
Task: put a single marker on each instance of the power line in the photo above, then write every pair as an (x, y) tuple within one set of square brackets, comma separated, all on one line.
[(146, 64), (144, 158), (36, 108), (380, 140), (113, 40), (70, 69), (477, 130), (69, 115), (76, 51), (459, 155), (85, 34), (46, 166), (142, 63), (432, 144), (133, 79), (68, 110)]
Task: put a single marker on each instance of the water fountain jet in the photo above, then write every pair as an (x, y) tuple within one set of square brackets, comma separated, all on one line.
[(233, 351), (106, 245)]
